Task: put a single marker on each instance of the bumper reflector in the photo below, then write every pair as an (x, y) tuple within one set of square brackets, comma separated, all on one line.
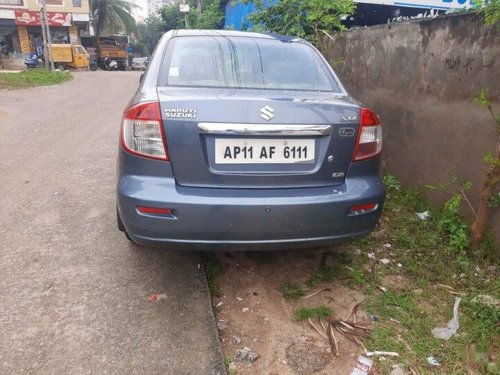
[(154, 210), (363, 208)]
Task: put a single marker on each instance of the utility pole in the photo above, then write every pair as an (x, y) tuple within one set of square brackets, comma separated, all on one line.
[(44, 38), (184, 9), (44, 18)]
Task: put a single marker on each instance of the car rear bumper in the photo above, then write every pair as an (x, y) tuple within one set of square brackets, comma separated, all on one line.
[(246, 219)]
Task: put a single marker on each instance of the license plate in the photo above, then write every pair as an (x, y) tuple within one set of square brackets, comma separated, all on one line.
[(263, 151)]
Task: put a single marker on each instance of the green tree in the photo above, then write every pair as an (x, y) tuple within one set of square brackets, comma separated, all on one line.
[(487, 197), (149, 33), (308, 19), (209, 16), (171, 17), (114, 16), (490, 10), (206, 14)]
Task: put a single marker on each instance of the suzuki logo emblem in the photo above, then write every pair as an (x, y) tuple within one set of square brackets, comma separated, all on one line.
[(267, 113)]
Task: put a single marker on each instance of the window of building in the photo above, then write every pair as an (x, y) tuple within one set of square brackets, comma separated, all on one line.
[(11, 2), (51, 2)]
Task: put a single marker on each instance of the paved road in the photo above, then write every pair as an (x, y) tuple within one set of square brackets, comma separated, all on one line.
[(73, 291)]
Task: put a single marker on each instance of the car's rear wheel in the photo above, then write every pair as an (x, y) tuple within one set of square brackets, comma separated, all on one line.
[(121, 227)]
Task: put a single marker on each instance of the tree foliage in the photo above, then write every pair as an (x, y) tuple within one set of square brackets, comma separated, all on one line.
[(208, 15), (487, 196), (490, 10), (149, 33), (307, 19), (113, 16), (171, 17)]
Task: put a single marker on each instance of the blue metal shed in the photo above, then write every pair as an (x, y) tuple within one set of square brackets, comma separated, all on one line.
[(236, 14)]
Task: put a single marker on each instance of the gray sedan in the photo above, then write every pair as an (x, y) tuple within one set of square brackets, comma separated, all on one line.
[(239, 140)]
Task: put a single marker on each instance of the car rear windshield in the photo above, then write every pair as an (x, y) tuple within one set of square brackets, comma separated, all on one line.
[(247, 63)]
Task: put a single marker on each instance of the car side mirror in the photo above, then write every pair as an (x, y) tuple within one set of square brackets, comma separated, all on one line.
[(141, 78)]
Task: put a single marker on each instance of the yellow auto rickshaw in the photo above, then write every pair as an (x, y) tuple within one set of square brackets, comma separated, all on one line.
[(70, 56)]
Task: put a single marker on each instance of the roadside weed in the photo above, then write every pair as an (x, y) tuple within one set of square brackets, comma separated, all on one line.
[(391, 182), (323, 275), (212, 269), (292, 291), (303, 313), (435, 267), (358, 275)]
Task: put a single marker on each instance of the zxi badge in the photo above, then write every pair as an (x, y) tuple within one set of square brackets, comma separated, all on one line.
[(267, 113), (346, 118)]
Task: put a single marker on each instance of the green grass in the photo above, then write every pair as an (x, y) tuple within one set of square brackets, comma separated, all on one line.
[(323, 275), (212, 269), (292, 291), (303, 313), (358, 275), (227, 361), (431, 253), (32, 78), (483, 322)]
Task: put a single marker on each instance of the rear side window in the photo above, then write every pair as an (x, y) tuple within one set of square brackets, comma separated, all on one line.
[(244, 63)]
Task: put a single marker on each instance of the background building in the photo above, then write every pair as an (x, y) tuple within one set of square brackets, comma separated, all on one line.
[(20, 28), (140, 12)]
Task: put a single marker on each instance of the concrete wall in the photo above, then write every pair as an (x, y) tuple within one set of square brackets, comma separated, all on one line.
[(421, 78)]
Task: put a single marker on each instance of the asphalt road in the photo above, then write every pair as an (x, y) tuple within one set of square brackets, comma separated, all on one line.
[(73, 291)]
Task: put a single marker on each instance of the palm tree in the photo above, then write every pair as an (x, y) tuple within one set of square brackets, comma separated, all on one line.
[(113, 16)]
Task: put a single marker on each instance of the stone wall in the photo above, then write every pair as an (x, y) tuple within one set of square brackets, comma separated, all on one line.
[(421, 77)]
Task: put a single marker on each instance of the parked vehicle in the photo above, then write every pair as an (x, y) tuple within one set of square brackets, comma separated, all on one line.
[(245, 141), (70, 56), (93, 64), (110, 64), (33, 60), (114, 50), (139, 63), (113, 46), (92, 51)]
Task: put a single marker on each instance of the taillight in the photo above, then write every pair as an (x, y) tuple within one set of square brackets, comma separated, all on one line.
[(369, 142), (142, 131)]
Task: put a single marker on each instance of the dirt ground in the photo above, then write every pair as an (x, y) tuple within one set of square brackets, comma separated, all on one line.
[(254, 310)]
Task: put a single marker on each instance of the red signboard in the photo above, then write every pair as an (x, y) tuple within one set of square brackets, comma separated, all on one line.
[(26, 17)]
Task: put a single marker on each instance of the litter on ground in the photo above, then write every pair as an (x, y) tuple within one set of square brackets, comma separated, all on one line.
[(363, 366), (445, 333)]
